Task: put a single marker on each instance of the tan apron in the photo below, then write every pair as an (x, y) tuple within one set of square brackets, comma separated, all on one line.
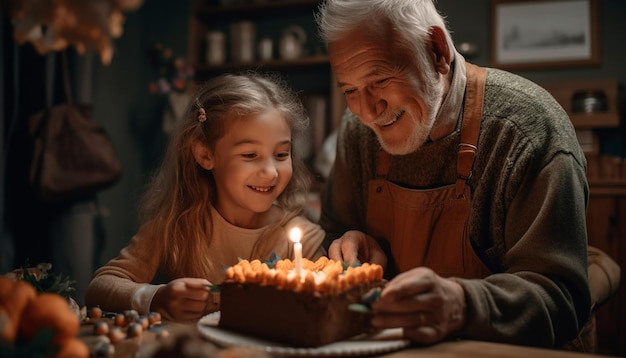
[(429, 227)]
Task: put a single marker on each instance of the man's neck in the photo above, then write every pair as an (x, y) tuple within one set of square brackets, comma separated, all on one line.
[(450, 110)]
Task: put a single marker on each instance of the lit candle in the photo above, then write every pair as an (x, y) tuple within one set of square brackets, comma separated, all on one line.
[(295, 235)]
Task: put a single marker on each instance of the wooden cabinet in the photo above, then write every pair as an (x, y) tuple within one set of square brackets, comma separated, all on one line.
[(606, 211), (309, 73), (591, 105), (583, 116), (606, 227)]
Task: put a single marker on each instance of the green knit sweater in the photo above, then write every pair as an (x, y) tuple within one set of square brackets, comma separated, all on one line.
[(527, 222)]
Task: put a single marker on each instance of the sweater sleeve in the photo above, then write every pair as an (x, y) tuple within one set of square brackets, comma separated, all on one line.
[(340, 195), (114, 285), (543, 298)]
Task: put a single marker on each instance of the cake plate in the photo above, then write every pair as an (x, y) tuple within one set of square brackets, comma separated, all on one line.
[(385, 341)]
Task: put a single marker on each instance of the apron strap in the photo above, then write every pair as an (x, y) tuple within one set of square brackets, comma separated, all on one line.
[(470, 128)]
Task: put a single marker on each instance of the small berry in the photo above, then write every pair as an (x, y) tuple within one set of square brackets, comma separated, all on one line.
[(95, 313), (120, 320), (143, 321), (116, 335), (134, 330), (130, 316), (103, 349), (100, 328), (154, 317), (162, 334)]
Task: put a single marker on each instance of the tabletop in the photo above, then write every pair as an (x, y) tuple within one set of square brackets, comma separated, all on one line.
[(471, 349), (146, 344)]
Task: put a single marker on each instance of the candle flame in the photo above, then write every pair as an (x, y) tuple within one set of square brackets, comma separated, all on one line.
[(295, 234)]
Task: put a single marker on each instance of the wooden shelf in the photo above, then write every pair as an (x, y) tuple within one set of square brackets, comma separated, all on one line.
[(610, 187), (606, 226), (300, 63), (310, 75), (564, 92), (254, 9), (594, 120)]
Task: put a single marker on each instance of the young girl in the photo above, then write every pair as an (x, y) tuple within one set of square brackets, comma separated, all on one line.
[(230, 187)]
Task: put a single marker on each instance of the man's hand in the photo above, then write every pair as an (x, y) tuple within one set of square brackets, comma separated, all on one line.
[(428, 307), (357, 246), (182, 299)]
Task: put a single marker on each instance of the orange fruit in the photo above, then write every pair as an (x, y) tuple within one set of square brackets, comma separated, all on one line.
[(5, 286), (73, 348), (49, 310), (15, 296), (6, 327)]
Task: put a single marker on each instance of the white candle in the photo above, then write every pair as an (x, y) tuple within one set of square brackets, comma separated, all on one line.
[(295, 235)]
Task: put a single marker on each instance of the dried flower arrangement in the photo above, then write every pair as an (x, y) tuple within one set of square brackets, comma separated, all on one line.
[(174, 73), (53, 25)]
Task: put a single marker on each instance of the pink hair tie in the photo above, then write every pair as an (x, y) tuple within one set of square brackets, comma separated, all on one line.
[(201, 115)]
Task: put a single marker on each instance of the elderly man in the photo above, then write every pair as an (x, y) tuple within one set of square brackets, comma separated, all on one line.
[(469, 180)]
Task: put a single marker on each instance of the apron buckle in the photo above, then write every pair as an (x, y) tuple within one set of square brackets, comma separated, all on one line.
[(461, 145), (464, 177)]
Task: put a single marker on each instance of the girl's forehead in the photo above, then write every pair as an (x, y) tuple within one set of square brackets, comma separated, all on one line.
[(268, 115), (261, 123)]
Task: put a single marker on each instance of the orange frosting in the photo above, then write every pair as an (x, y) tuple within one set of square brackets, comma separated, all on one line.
[(323, 275)]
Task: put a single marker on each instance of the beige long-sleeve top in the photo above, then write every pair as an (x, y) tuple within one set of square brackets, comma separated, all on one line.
[(130, 280)]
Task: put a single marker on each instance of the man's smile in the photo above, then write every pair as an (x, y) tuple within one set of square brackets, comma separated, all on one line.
[(393, 120)]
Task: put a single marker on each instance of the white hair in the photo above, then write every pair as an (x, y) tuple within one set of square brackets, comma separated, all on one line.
[(411, 20)]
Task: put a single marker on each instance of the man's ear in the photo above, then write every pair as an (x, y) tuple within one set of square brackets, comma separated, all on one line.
[(439, 50), (203, 155)]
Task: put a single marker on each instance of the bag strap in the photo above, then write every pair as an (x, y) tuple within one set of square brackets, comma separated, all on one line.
[(39, 132), (66, 78), (50, 78), (50, 65)]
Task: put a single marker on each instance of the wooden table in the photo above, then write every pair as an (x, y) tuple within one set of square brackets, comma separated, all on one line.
[(476, 349), (129, 347)]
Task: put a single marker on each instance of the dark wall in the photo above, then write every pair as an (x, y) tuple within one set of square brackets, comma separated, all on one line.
[(470, 22), (131, 114)]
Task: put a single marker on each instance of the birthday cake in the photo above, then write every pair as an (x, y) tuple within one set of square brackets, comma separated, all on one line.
[(308, 307)]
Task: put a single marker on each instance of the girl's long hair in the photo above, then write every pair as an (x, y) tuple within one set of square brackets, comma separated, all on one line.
[(174, 210)]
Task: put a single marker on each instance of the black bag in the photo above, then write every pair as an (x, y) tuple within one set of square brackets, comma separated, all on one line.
[(73, 158)]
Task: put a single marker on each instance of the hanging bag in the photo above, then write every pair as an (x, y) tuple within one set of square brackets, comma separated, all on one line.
[(73, 157)]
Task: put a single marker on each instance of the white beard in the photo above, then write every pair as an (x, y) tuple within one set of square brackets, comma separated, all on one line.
[(433, 97)]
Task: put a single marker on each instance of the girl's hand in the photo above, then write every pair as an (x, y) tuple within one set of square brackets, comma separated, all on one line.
[(357, 246), (182, 299)]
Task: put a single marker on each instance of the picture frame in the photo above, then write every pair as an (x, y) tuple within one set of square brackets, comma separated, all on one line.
[(542, 34)]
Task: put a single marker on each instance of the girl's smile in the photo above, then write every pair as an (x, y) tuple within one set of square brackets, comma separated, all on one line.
[(262, 189)]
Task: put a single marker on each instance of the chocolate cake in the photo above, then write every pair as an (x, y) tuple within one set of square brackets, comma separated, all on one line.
[(304, 311)]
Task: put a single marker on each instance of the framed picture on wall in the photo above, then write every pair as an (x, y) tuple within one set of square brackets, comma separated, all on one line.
[(538, 34)]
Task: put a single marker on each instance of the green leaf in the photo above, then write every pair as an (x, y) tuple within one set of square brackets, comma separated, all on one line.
[(271, 262), (366, 301), (358, 307), (52, 283), (371, 296), (344, 266)]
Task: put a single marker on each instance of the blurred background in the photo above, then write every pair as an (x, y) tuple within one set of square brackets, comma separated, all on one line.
[(140, 71)]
